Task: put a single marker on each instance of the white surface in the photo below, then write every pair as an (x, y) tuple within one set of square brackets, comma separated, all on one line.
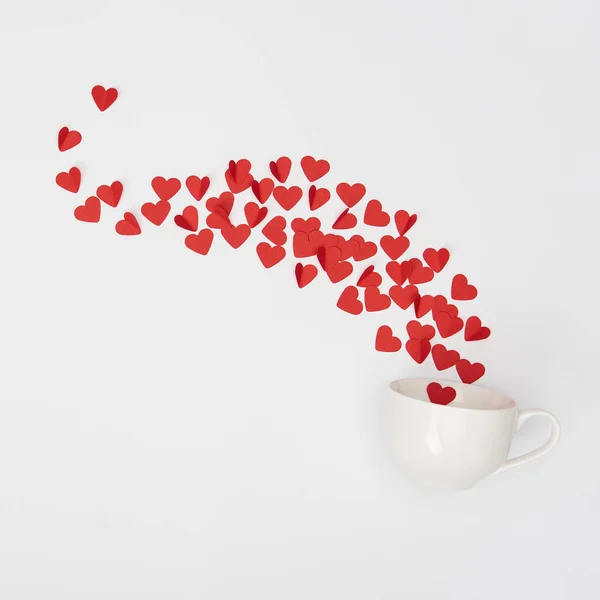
[(179, 427)]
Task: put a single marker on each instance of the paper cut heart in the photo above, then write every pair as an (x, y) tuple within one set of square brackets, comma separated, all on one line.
[(385, 341), (255, 214), (423, 304), (128, 225), (224, 202), (235, 236), (200, 242), (70, 180), (68, 139), (104, 98), (418, 273), (443, 358), (436, 259), (339, 271), (349, 302), (375, 215), (394, 247), (302, 246), (314, 169), (238, 175), (188, 219), (270, 255), (474, 331), (156, 213), (263, 189), (404, 221), (469, 372), (281, 168), (345, 221), (375, 300), (274, 231), (399, 272), (317, 197), (369, 277), (418, 349), (197, 186), (403, 296), (218, 219), (448, 325), (305, 274), (416, 331), (165, 189), (440, 304), (365, 249), (318, 240), (110, 194), (461, 289), (351, 194), (89, 212), (440, 395), (287, 198), (328, 256), (306, 225), (348, 248)]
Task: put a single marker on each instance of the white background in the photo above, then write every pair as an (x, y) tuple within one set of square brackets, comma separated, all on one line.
[(173, 426)]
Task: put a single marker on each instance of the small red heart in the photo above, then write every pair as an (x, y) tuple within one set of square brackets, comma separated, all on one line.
[(188, 219), (375, 300), (314, 169), (274, 231), (365, 249), (287, 198), (440, 304), (418, 349), (128, 225), (418, 273), (238, 175), (89, 212), (200, 242), (416, 331), (218, 219), (235, 236), (375, 215), (305, 274), (349, 302), (165, 189), (348, 248), (156, 213), (281, 168), (255, 214), (302, 246), (474, 331), (197, 186), (423, 304), (104, 98), (263, 189), (404, 221), (345, 221), (68, 139), (461, 290), (318, 240), (339, 271), (448, 325), (270, 255), (385, 341), (110, 194), (440, 395), (306, 225), (69, 181), (317, 197), (351, 194), (394, 247), (469, 372), (224, 202), (403, 296), (443, 358), (399, 272), (328, 256), (369, 277), (436, 259)]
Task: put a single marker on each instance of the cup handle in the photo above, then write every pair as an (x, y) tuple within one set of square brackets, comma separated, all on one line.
[(525, 415)]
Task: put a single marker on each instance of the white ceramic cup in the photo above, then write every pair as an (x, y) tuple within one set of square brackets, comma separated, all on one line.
[(454, 446)]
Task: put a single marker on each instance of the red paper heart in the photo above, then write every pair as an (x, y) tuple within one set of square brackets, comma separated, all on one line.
[(128, 225), (200, 242), (224, 202), (448, 325), (394, 247), (281, 168), (110, 194), (68, 139), (314, 169), (302, 246), (345, 221), (418, 349), (436, 259), (69, 181), (339, 271), (365, 249), (416, 331), (89, 212), (166, 189), (263, 189), (403, 296), (328, 256), (255, 214), (351, 194), (156, 213), (461, 290), (349, 302), (348, 248), (385, 341), (274, 231), (440, 395), (375, 215), (369, 277), (440, 304), (423, 304), (474, 331), (287, 198), (197, 186), (418, 273), (375, 300), (317, 197), (306, 225), (404, 221), (443, 358), (104, 98), (188, 219), (270, 255), (218, 219), (399, 272), (235, 236), (238, 175), (469, 372), (318, 240), (305, 274)]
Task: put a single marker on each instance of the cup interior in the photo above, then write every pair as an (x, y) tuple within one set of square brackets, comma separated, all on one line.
[(467, 395)]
